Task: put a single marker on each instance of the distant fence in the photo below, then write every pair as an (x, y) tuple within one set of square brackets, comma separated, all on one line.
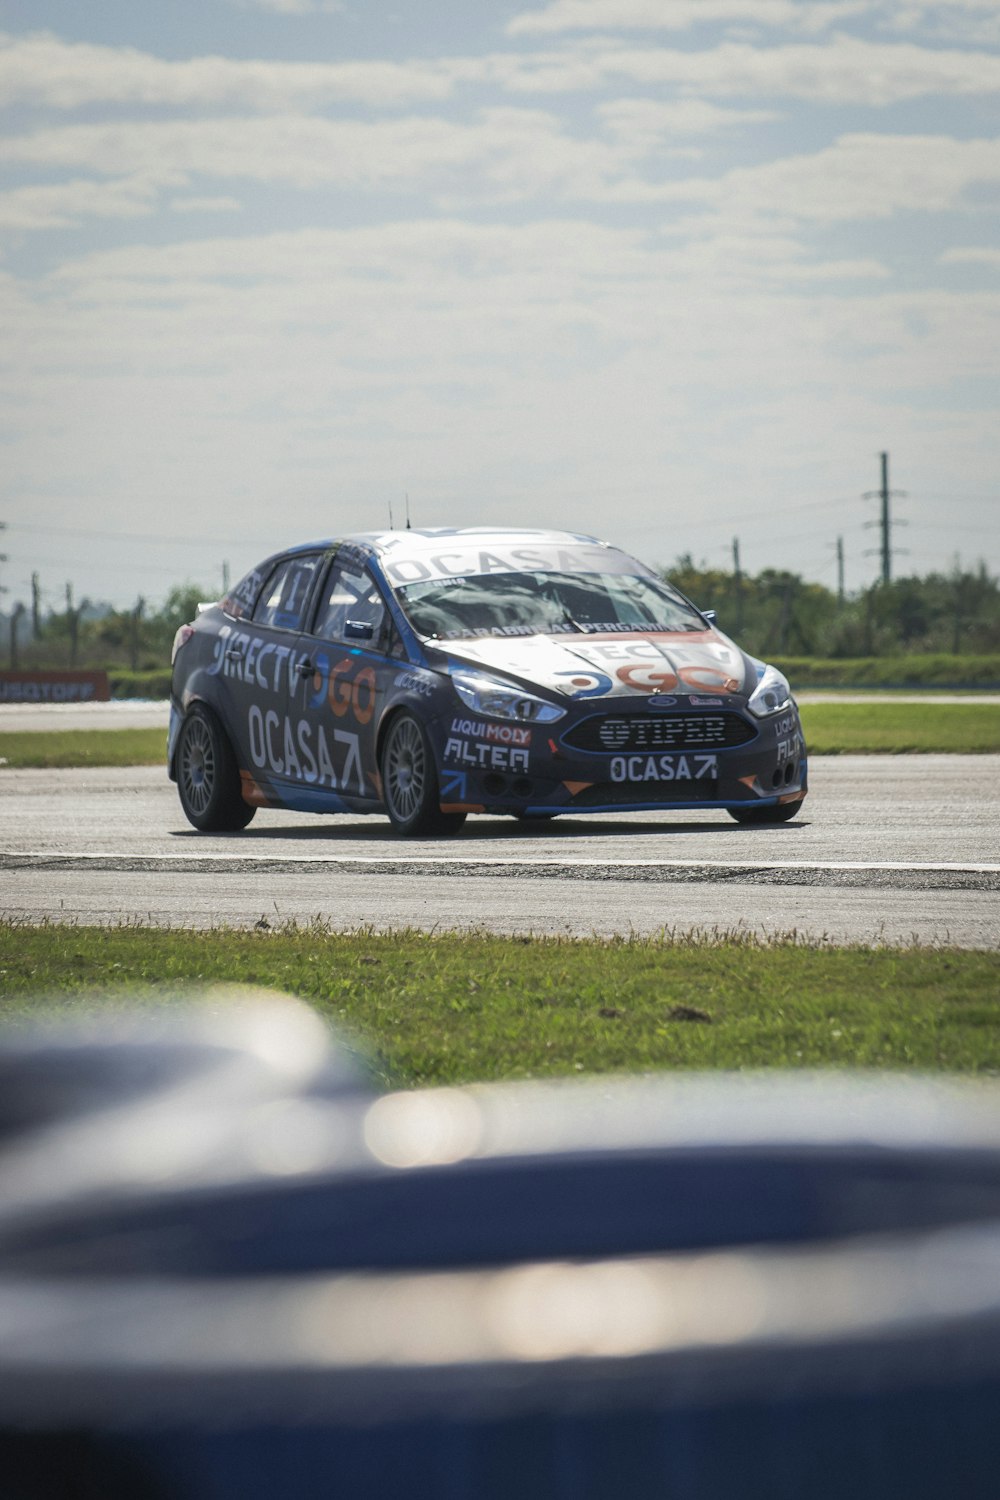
[(54, 687)]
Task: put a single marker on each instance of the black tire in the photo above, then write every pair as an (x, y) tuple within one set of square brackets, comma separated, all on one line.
[(409, 781), (208, 780), (779, 813)]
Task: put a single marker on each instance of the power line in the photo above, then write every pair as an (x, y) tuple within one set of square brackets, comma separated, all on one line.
[(130, 536)]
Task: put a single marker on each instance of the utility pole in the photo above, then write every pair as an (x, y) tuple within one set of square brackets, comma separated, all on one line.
[(72, 625), (15, 620), (958, 597), (786, 616), (839, 546), (884, 494), (36, 607), (137, 613), (737, 584)]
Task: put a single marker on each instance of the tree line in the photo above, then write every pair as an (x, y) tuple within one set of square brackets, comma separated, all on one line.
[(772, 613), (99, 636), (776, 613)]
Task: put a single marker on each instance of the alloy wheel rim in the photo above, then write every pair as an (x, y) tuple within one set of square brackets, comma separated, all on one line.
[(405, 770), (197, 765)]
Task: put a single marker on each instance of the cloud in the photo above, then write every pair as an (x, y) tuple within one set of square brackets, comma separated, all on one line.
[(682, 15), (560, 264), (973, 255), (44, 70), (559, 367), (290, 7), (515, 155), (646, 123), (504, 153), (60, 205), (857, 177), (206, 205), (843, 71), (971, 22)]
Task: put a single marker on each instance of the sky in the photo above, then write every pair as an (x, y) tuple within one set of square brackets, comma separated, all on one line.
[(670, 272)]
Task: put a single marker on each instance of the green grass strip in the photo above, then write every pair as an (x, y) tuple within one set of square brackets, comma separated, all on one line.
[(902, 728), (831, 729), (436, 1009), (84, 747)]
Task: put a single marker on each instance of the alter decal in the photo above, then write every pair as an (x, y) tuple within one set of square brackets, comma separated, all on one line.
[(664, 767), (464, 752)]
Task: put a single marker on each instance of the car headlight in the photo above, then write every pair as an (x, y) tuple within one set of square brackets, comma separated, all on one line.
[(771, 694), (484, 695)]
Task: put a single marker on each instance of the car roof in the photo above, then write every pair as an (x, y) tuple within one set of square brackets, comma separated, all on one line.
[(430, 539), (414, 542)]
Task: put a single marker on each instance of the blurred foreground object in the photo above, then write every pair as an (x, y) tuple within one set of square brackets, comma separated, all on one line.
[(229, 1269)]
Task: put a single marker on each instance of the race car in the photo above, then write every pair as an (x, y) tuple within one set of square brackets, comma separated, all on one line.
[(436, 673)]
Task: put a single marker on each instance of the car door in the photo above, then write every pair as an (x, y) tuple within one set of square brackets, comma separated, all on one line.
[(264, 674), (353, 651)]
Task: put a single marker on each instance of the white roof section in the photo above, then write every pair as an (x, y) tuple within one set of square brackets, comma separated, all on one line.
[(447, 552)]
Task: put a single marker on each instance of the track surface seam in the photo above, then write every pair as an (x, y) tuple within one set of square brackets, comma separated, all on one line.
[(895, 875)]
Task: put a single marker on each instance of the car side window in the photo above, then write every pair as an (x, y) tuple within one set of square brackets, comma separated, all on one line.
[(351, 609), (283, 599), (240, 600)]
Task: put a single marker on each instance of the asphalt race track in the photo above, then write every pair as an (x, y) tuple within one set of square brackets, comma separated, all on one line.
[(888, 849)]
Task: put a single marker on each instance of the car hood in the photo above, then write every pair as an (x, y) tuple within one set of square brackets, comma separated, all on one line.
[(682, 663)]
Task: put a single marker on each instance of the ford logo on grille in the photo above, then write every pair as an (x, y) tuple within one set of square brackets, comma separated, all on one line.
[(614, 733), (661, 700)]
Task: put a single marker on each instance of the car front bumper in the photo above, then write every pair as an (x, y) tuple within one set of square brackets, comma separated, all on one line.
[(620, 759)]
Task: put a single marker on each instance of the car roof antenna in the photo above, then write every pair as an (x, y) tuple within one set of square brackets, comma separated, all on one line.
[(407, 510), (391, 527)]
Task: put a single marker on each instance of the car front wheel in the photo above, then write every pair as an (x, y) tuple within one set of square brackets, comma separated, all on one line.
[(208, 780), (409, 781)]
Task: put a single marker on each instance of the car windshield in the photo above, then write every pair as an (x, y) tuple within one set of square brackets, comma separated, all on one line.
[(537, 603)]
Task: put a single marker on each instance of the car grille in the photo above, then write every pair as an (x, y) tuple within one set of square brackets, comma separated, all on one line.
[(611, 734)]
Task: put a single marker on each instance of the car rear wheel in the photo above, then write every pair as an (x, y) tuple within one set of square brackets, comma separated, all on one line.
[(779, 813), (410, 783), (207, 777)]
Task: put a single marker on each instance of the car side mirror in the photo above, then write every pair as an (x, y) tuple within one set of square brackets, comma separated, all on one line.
[(358, 630), (710, 615)]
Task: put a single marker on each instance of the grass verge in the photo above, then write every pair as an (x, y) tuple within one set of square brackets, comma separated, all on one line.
[(436, 1009), (902, 728), (831, 729), (928, 670), (84, 747)]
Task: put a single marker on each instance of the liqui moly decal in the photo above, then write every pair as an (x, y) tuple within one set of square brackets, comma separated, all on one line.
[(494, 734)]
